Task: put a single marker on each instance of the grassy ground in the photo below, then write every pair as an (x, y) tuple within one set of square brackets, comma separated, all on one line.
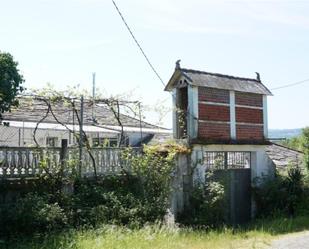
[(258, 235)]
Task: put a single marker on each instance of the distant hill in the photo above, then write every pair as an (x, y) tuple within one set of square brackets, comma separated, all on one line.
[(283, 133)]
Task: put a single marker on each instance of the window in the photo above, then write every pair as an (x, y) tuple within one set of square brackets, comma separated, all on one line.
[(104, 142), (113, 142), (227, 160), (51, 141), (98, 141)]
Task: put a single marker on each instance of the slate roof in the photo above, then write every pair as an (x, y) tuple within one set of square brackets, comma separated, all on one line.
[(30, 110), (283, 156), (219, 81)]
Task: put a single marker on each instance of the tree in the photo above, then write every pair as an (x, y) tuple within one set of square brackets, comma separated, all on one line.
[(305, 145), (10, 82)]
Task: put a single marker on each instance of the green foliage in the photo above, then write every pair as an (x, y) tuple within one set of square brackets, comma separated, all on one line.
[(208, 204), (293, 143), (154, 237), (281, 195), (305, 145), (95, 203), (300, 143), (10, 82), (256, 235), (133, 198), (31, 213), (154, 171)]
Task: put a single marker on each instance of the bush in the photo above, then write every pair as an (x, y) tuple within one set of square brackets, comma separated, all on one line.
[(284, 194), (31, 213), (129, 199), (95, 205), (133, 198), (208, 204)]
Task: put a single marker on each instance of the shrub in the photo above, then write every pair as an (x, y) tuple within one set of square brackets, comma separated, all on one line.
[(283, 194), (93, 204), (132, 198), (31, 213), (208, 204)]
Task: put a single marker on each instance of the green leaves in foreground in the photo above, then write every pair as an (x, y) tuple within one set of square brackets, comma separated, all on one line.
[(10, 82)]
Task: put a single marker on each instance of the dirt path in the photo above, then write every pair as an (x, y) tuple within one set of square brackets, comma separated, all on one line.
[(294, 241)]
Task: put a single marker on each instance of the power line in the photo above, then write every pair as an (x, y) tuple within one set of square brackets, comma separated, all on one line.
[(142, 51), (291, 84), (155, 71), (138, 45)]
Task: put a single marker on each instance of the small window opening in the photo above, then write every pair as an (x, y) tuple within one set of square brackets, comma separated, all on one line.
[(51, 141), (182, 106)]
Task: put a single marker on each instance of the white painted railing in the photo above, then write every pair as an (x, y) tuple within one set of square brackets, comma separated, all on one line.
[(17, 162)]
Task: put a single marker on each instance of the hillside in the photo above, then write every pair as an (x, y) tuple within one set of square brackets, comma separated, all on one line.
[(283, 133)]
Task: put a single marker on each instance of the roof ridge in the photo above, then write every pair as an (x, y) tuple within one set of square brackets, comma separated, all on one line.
[(218, 74), (283, 146)]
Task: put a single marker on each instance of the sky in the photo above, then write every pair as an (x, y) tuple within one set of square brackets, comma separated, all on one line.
[(63, 41)]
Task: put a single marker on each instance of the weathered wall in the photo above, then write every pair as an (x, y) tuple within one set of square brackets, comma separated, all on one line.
[(213, 95), (214, 130), (225, 115), (249, 99), (249, 116), (259, 159), (213, 113), (248, 132), (190, 169), (260, 163), (178, 185)]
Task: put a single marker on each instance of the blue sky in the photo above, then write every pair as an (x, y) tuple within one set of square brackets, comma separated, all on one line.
[(63, 42)]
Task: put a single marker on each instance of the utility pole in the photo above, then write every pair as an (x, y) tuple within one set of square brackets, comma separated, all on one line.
[(140, 121), (93, 96), (81, 135)]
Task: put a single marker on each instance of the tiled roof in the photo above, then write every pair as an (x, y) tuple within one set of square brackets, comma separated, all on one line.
[(219, 81)]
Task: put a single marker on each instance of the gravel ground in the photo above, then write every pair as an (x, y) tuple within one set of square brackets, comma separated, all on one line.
[(295, 241)]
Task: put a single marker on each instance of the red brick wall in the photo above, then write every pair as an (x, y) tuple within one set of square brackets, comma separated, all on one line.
[(250, 99), (214, 131), (249, 115), (247, 132), (221, 131), (213, 95), (214, 112)]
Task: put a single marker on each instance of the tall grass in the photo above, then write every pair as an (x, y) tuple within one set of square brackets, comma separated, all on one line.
[(257, 235), (149, 237)]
